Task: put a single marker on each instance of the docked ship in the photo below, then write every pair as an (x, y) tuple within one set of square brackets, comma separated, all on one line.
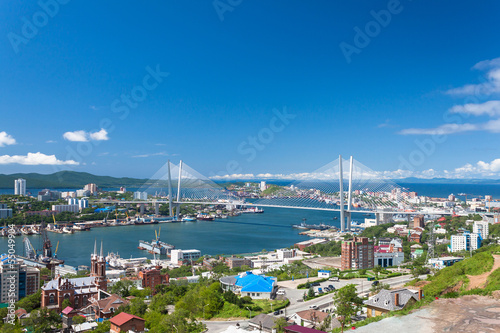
[(252, 210), (204, 217), (188, 219), (156, 245), (143, 221), (115, 261)]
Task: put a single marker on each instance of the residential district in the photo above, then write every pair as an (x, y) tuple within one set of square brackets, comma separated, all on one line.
[(386, 266)]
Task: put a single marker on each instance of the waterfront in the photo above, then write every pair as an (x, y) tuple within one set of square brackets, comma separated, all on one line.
[(240, 234)]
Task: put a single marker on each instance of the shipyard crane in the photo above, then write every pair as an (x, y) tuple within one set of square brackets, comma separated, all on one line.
[(57, 247)]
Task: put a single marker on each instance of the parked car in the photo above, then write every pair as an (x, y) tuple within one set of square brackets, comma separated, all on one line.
[(333, 278), (314, 307), (315, 284), (375, 283), (281, 292), (331, 287), (326, 289), (276, 313)]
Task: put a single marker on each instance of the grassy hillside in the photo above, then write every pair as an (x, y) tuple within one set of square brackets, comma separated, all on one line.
[(68, 179), (452, 281)]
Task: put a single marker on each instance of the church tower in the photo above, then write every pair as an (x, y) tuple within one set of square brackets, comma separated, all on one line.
[(98, 268)]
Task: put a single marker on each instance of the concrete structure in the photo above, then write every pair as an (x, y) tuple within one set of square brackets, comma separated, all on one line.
[(357, 254), (92, 188), (5, 211), (387, 259), (78, 291), (48, 195), (124, 322), (17, 278), (481, 228), (20, 186), (465, 242), (140, 195), (283, 254), (249, 284), (443, 262), (233, 262), (66, 208), (180, 257), (82, 193), (390, 300), (83, 203)]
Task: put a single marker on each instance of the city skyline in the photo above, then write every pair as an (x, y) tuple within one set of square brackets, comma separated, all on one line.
[(250, 90)]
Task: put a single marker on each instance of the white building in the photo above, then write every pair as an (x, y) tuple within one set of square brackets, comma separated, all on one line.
[(83, 203), (263, 186), (285, 253), (92, 188), (140, 195), (82, 193), (20, 186), (181, 255), (481, 228), (465, 242), (66, 208), (323, 273), (387, 259), (72, 201)]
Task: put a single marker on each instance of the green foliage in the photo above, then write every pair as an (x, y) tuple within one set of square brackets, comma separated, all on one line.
[(296, 270), (43, 320), (347, 303), (79, 320), (377, 288), (66, 303), (330, 249), (31, 302), (280, 325), (103, 327), (377, 231), (122, 288)]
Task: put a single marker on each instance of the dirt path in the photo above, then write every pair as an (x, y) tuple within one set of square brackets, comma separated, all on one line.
[(478, 281)]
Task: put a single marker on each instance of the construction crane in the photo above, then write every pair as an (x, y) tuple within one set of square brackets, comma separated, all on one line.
[(57, 247)]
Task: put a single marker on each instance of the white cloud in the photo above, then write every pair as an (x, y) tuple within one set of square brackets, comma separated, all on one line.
[(102, 135), (34, 159), (490, 108), (50, 141), (149, 155), (82, 136), (491, 84), (441, 130), (6, 139)]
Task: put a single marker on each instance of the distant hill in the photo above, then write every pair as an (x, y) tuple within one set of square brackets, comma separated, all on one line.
[(68, 179)]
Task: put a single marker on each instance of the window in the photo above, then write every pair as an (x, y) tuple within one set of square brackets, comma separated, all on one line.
[(373, 312), (51, 299)]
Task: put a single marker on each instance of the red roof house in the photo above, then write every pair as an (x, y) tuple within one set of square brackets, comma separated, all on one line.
[(124, 322)]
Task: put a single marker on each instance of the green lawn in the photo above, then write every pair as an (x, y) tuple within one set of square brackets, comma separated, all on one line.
[(230, 310)]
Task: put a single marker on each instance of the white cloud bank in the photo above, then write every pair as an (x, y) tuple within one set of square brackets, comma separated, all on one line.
[(82, 136), (34, 159), (479, 170), (6, 139)]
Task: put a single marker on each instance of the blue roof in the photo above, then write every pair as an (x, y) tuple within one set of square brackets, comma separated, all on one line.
[(255, 283), (324, 271)]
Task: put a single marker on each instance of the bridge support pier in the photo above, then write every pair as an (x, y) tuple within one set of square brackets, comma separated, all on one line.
[(157, 208), (141, 209)]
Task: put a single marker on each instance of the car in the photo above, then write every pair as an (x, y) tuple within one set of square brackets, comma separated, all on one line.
[(281, 292), (333, 278), (315, 284), (314, 307), (375, 283), (276, 313), (331, 287), (326, 289)]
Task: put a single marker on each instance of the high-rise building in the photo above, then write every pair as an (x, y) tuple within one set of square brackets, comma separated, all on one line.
[(419, 221), (92, 188), (140, 195), (17, 278), (357, 254), (481, 228), (465, 242), (20, 186), (263, 186), (153, 277)]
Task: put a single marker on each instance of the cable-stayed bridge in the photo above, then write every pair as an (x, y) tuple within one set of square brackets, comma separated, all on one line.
[(344, 186)]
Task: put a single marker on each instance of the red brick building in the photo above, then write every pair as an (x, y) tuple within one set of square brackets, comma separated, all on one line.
[(78, 291), (153, 277), (124, 322), (357, 254)]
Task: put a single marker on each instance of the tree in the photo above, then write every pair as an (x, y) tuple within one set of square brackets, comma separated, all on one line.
[(377, 270), (347, 304), (376, 288), (362, 272), (43, 320), (122, 288), (310, 293), (79, 320), (66, 303), (280, 324), (31, 302)]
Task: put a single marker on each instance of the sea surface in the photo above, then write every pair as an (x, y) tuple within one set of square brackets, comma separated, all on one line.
[(241, 234)]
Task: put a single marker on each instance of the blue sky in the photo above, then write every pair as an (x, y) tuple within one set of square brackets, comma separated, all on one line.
[(250, 87)]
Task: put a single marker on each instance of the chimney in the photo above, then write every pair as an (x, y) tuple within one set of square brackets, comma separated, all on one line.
[(396, 299), (420, 294)]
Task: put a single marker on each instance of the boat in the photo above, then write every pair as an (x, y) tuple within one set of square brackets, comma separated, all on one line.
[(35, 230), (26, 231), (188, 219), (143, 221), (115, 261), (300, 226), (156, 245), (67, 230), (204, 217), (252, 210)]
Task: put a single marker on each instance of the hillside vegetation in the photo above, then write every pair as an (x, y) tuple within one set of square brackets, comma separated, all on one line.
[(453, 281)]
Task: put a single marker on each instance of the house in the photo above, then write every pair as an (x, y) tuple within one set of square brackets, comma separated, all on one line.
[(390, 300), (300, 329), (104, 305), (124, 322), (309, 318), (249, 284), (263, 322), (84, 327), (415, 236)]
